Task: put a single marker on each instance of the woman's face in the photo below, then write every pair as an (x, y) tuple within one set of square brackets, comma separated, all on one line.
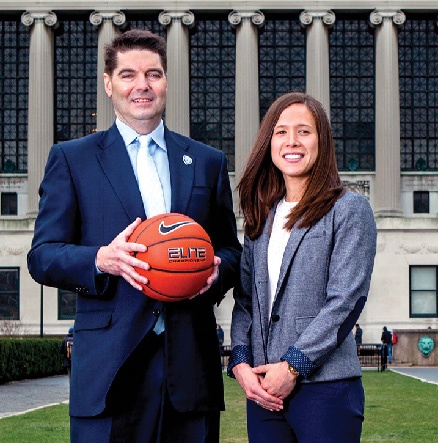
[(294, 144)]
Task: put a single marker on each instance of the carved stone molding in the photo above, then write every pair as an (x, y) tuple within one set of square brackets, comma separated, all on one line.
[(117, 17), (257, 18), (187, 18), (359, 187), (417, 249), (377, 16), (328, 17), (50, 18), (8, 251)]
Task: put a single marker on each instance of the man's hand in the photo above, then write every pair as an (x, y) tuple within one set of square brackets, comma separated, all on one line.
[(251, 385), (277, 380), (210, 280), (117, 258)]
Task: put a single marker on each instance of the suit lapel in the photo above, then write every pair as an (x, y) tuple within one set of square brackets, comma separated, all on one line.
[(292, 246), (261, 274), (117, 167), (182, 170)]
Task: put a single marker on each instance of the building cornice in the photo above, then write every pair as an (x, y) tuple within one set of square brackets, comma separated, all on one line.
[(215, 5)]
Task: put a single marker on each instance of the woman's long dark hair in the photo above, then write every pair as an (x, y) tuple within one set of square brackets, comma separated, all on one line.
[(262, 184)]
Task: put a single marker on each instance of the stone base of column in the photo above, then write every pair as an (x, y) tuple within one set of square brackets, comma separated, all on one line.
[(388, 213)]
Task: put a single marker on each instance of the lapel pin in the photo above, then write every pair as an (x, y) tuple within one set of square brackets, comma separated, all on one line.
[(187, 160)]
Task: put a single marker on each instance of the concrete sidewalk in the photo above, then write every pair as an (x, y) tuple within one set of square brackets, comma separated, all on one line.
[(23, 396), (423, 373)]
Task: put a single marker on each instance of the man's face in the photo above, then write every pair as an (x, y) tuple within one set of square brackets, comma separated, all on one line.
[(138, 88)]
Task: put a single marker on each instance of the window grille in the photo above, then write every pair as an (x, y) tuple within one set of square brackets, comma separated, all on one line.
[(9, 293), (66, 304), (75, 77), (418, 67), (212, 84), (9, 204), (352, 89), (423, 300), (282, 59), (14, 85), (421, 202), (144, 21)]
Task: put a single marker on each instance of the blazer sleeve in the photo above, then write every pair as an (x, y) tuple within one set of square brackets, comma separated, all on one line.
[(56, 257), (351, 265)]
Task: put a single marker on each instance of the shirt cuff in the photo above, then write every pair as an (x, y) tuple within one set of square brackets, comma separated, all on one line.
[(239, 354), (299, 361)]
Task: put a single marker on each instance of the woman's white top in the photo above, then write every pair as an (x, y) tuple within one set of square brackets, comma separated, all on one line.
[(277, 245)]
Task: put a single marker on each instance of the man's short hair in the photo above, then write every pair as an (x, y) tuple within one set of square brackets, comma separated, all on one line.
[(135, 39)]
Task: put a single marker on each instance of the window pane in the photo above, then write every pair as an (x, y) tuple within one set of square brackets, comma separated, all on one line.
[(423, 302), (282, 58), (212, 84), (9, 203), (423, 278), (9, 295), (352, 89), (75, 77), (66, 304), (421, 202), (14, 82), (418, 58)]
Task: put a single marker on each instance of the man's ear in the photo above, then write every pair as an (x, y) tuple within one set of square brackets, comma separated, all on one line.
[(108, 85)]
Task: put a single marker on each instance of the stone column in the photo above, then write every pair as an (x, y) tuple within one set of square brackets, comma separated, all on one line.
[(317, 54), (41, 101), (106, 22), (247, 84), (387, 195), (178, 71)]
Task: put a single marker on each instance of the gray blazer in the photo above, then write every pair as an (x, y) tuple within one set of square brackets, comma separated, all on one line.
[(323, 285)]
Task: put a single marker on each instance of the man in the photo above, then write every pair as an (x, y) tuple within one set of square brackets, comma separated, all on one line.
[(358, 334), (65, 349), (131, 382)]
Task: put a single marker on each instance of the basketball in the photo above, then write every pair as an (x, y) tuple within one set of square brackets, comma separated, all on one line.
[(179, 253)]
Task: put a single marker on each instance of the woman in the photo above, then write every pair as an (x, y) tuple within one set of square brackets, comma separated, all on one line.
[(305, 274)]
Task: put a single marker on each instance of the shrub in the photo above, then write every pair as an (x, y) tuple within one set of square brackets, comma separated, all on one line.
[(29, 358)]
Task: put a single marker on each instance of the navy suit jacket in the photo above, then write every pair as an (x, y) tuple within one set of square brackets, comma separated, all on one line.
[(89, 194)]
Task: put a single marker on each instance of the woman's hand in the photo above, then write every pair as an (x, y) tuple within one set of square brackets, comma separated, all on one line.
[(250, 383), (276, 379)]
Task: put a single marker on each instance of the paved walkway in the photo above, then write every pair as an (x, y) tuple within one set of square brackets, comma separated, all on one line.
[(426, 374), (23, 396), (27, 395)]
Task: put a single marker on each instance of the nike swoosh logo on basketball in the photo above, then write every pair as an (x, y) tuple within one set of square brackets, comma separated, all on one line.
[(166, 229)]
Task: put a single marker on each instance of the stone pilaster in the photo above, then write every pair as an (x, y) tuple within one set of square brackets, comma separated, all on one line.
[(107, 23), (317, 24), (178, 72), (247, 84), (41, 101), (387, 195)]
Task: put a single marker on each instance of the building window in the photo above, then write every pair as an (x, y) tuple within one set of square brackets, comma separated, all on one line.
[(66, 304), (9, 203), (212, 84), (421, 202), (282, 58), (423, 291), (9, 293), (14, 85), (352, 88), (75, 77), (418, 59)]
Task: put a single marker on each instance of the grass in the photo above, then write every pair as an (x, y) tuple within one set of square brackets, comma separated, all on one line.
[(398, 409)]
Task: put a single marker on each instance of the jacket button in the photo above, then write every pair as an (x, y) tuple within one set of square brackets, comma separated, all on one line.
[(156, 312), (275, 317)]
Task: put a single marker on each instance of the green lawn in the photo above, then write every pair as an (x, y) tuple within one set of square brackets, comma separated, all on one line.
[(398, 409)]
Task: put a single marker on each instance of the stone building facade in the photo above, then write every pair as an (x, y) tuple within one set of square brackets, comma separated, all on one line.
[(374, 68)]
